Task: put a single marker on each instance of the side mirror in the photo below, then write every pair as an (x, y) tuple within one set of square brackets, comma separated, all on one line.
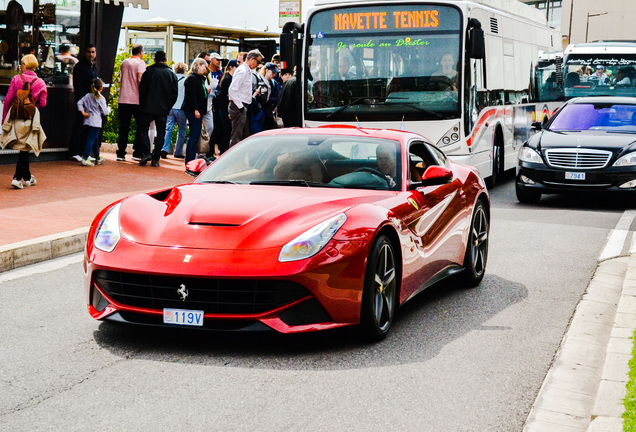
[(537, 126), (476, 46), (196, 167), (436, 175)]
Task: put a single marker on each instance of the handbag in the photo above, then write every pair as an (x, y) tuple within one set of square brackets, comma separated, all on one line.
[(204, 141)]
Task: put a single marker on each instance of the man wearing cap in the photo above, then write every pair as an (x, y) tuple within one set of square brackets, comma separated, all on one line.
[(240, 94), (212, 80), (271, 72), (600, 75)]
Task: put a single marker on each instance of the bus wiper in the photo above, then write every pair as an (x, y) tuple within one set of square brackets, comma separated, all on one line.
[(352, 103), (423, 110)]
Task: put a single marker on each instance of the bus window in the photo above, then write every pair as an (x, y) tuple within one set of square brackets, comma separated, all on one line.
[(385, 62)]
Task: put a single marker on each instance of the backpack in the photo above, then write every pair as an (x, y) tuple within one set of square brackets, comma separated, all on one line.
[(23, 106)]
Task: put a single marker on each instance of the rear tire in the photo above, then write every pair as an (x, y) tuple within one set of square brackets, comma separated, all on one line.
[(497, 166), (526, 196), (476, 255), (379, 295)]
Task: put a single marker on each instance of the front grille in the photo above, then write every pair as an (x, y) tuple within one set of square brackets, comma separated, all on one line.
[(578, 158), (211, 295)]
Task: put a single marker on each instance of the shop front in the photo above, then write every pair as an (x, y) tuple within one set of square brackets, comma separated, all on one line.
[(56, 32)]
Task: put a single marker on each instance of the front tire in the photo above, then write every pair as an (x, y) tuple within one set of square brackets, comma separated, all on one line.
[(476, 254), (379, 295)]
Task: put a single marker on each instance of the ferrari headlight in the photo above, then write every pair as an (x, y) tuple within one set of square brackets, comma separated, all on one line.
[(628, 160), (526, 154), (312, 241), (108, 233)]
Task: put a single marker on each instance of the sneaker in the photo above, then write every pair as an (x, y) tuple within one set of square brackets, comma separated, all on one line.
[(30, 182), (88, 163), (154, 163), (136, 157), (16, 184), (91, 158), (77, 158), (144, 160), (99, 161), (179, 156), (121, 158)]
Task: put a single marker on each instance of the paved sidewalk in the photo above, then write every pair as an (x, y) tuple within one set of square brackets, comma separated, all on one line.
[(50, 219)]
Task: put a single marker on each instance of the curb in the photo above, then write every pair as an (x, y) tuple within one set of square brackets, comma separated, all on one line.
[(20, 254), (586, 383)]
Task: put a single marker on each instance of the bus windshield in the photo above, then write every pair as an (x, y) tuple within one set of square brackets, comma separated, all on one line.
[(384, 63), (599, 74)]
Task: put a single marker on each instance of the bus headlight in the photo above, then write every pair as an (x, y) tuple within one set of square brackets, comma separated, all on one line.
[(450, 137)]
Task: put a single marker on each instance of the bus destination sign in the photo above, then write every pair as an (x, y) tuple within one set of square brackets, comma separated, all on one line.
[(386, 20)]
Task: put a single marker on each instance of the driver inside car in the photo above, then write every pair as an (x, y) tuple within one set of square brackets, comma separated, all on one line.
[(385, 158)]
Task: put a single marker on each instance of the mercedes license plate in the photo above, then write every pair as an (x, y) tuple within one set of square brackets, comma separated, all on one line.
[(575, 176), (183, 317)]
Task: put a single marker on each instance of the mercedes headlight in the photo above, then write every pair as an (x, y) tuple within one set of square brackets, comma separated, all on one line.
[(312, 241), (529, 155), (628, 160), (108, 232)]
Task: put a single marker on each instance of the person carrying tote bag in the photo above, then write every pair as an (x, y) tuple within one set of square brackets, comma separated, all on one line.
[(21, 128)]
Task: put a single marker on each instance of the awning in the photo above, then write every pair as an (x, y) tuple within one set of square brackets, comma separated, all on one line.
[(187, 29), (133, 3)]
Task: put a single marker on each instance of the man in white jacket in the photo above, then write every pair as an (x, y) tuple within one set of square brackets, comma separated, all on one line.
[(240, 95)]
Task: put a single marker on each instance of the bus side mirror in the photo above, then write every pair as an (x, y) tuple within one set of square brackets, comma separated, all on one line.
[(287, 48), (476, 46)]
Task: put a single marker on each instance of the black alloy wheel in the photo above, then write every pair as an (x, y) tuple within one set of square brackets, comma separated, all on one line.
[(379, 293), (477, 248)]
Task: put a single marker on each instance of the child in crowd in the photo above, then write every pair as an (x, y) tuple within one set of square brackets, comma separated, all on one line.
[(93, 107)]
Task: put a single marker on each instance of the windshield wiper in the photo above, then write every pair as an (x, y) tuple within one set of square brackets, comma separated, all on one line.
[(352, 103), (219, 181), (629, 131), (283, 183)]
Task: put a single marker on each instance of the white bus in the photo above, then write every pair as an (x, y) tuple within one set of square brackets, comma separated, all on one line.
[(461, 73), (600, 69)]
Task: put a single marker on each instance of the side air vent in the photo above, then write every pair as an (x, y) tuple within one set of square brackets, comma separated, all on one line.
[(494, 25)]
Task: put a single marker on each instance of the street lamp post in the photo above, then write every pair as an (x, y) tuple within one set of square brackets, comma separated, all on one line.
[(587, 25)]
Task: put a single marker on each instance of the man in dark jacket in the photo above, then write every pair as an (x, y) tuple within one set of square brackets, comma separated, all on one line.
[(84, 73), (288, 108), (158, 91)]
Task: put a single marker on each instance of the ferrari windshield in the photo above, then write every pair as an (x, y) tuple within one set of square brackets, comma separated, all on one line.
[(384, 62), (310, 161), (596, 116)]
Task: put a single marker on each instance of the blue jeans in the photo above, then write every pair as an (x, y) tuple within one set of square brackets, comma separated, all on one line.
[(176, 116), (193, 139), (92, 135)]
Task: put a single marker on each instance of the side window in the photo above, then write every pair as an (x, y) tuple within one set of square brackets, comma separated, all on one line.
[(439, 156), (420, 158)]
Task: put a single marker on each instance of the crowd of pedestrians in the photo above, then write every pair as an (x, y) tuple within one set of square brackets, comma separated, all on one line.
[(226, 105)]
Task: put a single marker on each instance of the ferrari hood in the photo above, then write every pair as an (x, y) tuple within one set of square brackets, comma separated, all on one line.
[(590, 139), (241, 217)]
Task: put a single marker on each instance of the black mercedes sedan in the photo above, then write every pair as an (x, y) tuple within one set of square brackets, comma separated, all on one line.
[(588, 145)]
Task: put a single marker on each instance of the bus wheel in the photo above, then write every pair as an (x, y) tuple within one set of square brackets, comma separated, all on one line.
[(496, 166)]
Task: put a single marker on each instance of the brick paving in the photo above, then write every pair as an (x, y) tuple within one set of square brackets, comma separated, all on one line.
[(68, 195)]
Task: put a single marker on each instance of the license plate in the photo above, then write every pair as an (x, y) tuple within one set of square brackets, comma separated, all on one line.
[(183, 317), (574, 176)]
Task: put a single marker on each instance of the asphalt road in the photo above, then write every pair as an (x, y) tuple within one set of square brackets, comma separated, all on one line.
[(456, 360)]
